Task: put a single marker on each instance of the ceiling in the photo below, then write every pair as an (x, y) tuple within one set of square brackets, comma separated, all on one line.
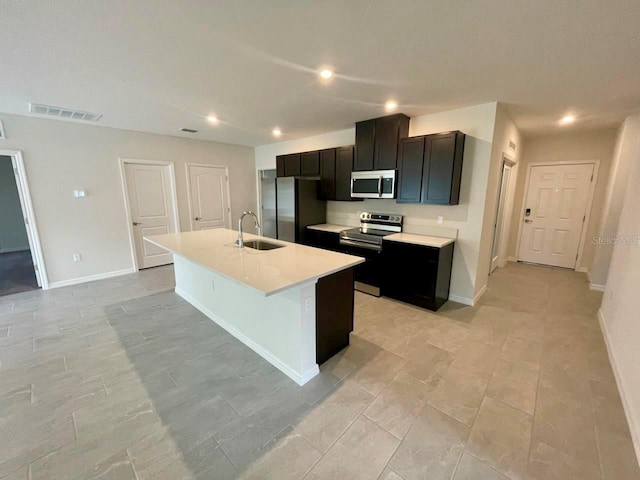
[(158, 65)]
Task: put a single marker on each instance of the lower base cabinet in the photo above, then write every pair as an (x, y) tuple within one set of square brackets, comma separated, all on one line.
[(417, 274)]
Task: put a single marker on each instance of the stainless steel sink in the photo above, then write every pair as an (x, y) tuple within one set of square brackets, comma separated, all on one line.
[(261, 245)]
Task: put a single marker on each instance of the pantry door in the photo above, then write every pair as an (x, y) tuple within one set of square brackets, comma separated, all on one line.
[(554, 213), (152, 209), (209, 203)]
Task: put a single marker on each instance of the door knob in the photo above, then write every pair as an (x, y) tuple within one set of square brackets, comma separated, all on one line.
[(197, 219), (135, 224), (526, 220)]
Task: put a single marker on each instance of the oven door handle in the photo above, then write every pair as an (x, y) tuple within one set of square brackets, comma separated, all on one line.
[(380, 186), (368, 246)]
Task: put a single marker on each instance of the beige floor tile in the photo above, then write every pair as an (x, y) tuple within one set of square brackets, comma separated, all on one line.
[(290, 459), (617, 457), (389, 475), (332, 415), (374, 375), (500, 437), (397, 406), (470, 468), (491, 325), (428, 364), (476, 358), (449, 336), (362, 452), (432, 447), (515, 385), (528, 326), (549, 463), (459, 394), (522, 351)]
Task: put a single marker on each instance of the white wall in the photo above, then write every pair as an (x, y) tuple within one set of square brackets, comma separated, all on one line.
[(505, 131), (13, 234), (466, 218), (625, 154), (566, 146), (620, 312), (62, 156)]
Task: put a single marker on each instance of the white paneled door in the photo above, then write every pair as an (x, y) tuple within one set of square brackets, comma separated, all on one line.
[(554, 214), (152, 210), (209, 197)]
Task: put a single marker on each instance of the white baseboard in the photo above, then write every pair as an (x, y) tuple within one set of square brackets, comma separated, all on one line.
[(512, 259), (91, 278), (299, 379), (635, 434), (11, 250), (583, 270), (597, 288), (468, 301)]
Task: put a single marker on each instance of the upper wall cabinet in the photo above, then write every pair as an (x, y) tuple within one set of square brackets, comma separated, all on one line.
[(430, 169), (378, 140), (288, 165), (310, 164)]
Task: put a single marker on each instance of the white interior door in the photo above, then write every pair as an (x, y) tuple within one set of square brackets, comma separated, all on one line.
[(554, 214), (151, 203), (209, 194), (498, 231)]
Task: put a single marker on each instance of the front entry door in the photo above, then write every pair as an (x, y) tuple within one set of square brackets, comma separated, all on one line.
[(150, 193), (209, 195), (554, 214)]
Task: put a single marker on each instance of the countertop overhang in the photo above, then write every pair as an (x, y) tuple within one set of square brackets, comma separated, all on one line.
[(270, 271)]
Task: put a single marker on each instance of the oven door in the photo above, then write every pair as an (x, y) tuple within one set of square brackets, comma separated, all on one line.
[(378, 184), (368, 275)]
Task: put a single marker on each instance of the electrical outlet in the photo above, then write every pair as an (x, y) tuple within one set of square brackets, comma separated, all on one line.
[(307, 305), (440, 219), (77, 257)]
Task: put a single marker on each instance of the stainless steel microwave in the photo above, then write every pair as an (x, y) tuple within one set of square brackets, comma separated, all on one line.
[(374, 184)]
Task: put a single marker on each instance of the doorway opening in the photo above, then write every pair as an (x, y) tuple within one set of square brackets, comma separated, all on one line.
[(21, 265), (501, 226), (152, 208), (556, 209)]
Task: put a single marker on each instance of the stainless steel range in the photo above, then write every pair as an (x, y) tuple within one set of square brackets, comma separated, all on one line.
[(366, 241)]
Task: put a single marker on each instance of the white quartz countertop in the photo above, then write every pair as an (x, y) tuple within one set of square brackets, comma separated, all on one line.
[(329, 227), (269, 271), (426, 240)]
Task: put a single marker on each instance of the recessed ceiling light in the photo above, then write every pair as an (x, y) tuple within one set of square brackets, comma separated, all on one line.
[(391, 105), (212, 119), (326, 74), (276, 132), (567, 119)]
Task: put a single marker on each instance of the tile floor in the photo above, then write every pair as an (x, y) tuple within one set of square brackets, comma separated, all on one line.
[(121, 379)]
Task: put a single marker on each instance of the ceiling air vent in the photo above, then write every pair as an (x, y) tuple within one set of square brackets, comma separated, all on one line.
[(65, 113), (188, 130)]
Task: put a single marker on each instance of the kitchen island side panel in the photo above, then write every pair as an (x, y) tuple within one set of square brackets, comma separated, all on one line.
[(280, 327)]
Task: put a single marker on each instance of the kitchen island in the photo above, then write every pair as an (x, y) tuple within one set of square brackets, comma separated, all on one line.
[(292, 305)]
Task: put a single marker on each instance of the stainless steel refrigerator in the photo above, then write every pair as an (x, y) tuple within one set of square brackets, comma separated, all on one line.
[(297, 206)]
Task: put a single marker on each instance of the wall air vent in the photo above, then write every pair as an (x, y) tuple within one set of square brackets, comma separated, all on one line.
[(512, 145), (65, 113), (188, 130)]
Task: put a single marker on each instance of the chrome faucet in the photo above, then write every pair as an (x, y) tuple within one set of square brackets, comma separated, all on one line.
[(257, 224)]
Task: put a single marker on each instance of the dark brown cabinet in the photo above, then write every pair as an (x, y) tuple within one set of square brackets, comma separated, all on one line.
[(288, 165), (417, 274), (310, 164), (430, 169), (344, 167), (328, 174), (378, 140)]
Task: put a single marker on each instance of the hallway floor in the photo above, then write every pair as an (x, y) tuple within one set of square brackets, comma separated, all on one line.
[(17, 273), (122, 379)]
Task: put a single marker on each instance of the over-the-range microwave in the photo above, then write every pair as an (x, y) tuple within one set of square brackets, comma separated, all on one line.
[(373, 184)]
